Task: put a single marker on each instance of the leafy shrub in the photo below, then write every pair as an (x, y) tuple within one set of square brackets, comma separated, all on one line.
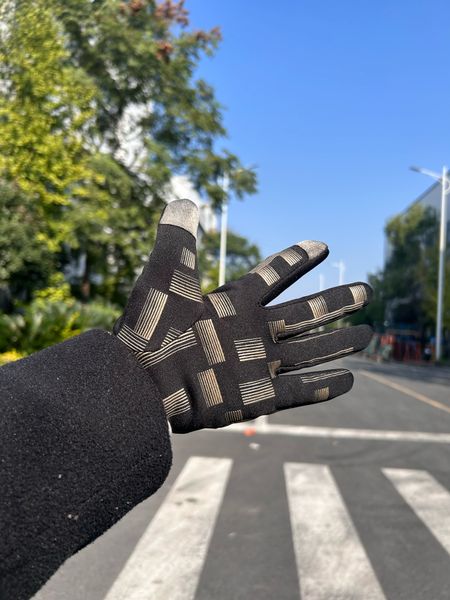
[(53, 316)]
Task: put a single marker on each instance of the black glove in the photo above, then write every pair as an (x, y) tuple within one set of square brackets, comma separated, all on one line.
[(225, 357)]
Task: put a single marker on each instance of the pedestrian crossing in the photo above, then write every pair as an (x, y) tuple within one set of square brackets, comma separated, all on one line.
[(167, 560), (427, 498), (331, 561), (327, 547)]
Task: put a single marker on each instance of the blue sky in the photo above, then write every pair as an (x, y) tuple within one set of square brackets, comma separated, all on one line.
[(333, 101)]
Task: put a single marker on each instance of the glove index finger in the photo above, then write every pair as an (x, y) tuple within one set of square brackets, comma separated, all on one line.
[(173, 262), (166, 298), (174, 255), (280, 270), (172, 265), (181, 213)]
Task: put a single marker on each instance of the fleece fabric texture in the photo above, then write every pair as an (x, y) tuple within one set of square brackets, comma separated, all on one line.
[(83, 439), (226, 356)]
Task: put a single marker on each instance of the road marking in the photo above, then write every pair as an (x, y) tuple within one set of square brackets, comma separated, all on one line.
[(428, 499), (340, 432), (167, 560), (331, 560), (406, 390)]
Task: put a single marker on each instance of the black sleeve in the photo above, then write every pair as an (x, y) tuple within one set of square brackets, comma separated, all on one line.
[(83, 439)]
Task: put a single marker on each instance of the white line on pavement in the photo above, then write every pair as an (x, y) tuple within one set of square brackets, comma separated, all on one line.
[(428, 499), (167, 560), (341, 433), (331, 560), (405, 390)]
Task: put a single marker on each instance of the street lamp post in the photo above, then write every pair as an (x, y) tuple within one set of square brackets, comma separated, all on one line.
[(445, 187), (321, 282), (341, 267), (223, 232)]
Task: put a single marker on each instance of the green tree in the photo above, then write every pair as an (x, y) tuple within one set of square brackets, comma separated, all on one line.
[(412, 238), (100, 107), (153, 119), (46, 106), (430, 286), (405, 291), (142, 56), (242, 256), (114, 232), (25, 260)]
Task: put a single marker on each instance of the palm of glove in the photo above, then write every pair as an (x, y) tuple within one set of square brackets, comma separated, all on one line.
[(226, 357)]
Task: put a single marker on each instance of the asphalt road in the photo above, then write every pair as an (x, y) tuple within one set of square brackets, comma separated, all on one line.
[(349, 499)]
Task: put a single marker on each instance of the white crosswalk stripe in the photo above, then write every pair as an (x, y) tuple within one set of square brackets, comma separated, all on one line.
[(331, 560), (428, 499), (332, 563), (167, 560)]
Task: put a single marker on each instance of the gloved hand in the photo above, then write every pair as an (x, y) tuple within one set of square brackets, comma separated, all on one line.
[(225, 357)]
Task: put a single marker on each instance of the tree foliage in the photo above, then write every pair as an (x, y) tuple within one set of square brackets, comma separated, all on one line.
[(405, 291), (242, 256), (25, 260), (52, 316), (45, 110), (100, 106), (142, 56)]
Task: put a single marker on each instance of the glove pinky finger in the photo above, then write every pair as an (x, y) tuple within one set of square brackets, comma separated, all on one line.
[(295, 389)]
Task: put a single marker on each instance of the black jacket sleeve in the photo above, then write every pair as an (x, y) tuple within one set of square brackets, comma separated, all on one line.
[(83, 439)]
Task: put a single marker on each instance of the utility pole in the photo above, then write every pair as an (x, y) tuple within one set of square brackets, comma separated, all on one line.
[(321, 282), (341, 266), (223, 232), (441, 273)]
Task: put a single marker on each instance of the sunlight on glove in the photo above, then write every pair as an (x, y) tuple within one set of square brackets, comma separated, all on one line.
[(226, 357)]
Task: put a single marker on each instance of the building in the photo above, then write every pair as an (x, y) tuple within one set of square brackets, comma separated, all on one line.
[(431, 198)]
